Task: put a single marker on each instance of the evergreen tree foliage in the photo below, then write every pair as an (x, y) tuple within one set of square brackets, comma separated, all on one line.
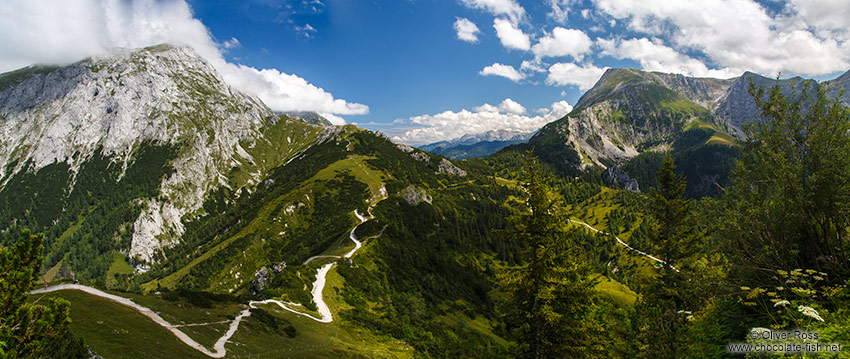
[(673, 237), (26, 329), (790, 206), (550, 294)]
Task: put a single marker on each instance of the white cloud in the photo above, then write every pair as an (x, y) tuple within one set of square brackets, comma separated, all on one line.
[(307, 30), (653, 55), (466, 30), (830, 15), (559, 109), (449, 124), (808, 37), (334, 119), (535, 65), (510, 35), (62, 32), (231, 44), (507, 106), (563, 42), (562, 74), (509, 8), (560, 10), (506, 71)]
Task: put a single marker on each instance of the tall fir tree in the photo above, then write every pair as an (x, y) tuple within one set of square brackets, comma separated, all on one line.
[(551, 295), (674, 237)]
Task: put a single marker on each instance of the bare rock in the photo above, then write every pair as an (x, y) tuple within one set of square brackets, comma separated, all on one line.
[(414, 195), (449, 168), (420, 156)]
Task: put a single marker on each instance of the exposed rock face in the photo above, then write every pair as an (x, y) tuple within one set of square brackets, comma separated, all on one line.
[(309, 117), (162, 95), (615, 177), (415, 195), (471, 139), (834, 88), (404, 148), (630, 111), (259, 281), (449, 168), (420, 156)]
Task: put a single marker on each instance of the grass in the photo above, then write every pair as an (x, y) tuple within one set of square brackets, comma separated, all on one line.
[(718, 137), (357, 167), (116, 331), (354, 165), (119, 266), (616, 291)]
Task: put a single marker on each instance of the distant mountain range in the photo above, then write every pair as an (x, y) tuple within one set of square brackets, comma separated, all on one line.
[(479, 144)]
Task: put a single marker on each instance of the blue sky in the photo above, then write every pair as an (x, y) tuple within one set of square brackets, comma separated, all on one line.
[(428, 70)]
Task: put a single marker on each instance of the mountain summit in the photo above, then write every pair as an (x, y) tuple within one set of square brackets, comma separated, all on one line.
[(118, 108)]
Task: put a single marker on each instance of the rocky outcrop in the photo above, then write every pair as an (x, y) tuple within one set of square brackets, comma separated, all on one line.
[(420, 156), (449, 168), (616, 178), (414, 195), (262, 276)]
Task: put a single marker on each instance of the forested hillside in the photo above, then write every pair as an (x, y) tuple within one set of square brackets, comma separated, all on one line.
[(640, 225)]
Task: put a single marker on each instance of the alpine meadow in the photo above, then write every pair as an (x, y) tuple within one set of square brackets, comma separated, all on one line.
[(679, 186)]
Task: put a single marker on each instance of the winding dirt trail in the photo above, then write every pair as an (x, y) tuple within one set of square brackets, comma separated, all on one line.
[(620, 241), (325, 315), (218, 348), (219, 351)]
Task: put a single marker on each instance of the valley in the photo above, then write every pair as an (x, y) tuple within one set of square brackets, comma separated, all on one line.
[(201, 223)]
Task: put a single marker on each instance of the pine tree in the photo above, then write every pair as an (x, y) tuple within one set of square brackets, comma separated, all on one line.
[(673, 238), (551, 295), (31, 330)]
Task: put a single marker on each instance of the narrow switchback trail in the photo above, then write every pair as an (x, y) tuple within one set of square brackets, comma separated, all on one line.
[(620, 241), (219, 351), (218, 348), (325, 315)]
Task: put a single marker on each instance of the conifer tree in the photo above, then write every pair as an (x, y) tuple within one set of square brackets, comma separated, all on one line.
[(31, 330), (550, 294), (790, 203), (673, 238)]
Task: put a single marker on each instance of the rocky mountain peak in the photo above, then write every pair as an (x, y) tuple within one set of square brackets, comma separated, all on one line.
[(113, 105)]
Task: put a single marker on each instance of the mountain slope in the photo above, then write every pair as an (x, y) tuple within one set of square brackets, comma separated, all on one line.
[(211, 195), (629, 113), (127, 147)]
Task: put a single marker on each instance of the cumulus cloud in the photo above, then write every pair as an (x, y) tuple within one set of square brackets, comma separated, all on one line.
[(563, 42), (506, 71), (807, 38), (466, 30), (510, 35), (562, 74), (507, 106), (559, 109), (449, 124), (509, 8), (62, 32), (653, 55)]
